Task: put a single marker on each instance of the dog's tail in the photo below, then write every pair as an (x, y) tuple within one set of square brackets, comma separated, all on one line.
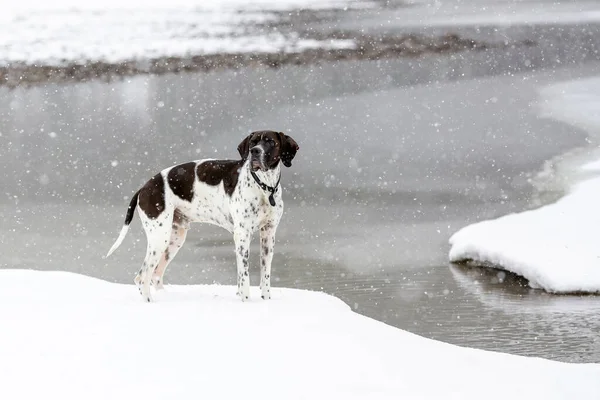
[(128, 218)]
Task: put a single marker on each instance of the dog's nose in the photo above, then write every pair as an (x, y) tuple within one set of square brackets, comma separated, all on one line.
[(255, 151)]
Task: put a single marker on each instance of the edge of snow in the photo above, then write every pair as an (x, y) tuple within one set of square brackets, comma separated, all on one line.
[(553, 246)]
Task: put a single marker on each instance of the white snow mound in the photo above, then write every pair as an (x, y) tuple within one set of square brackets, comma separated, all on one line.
[(556, 247), (69, 336)]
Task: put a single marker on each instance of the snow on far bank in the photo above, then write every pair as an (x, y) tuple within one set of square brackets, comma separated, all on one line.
[(555, 247), (237, 5), (67, 31), (499, 13), (69, 336), (592, 166)]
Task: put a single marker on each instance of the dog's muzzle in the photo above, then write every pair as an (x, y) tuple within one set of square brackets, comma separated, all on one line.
[(257, 158)]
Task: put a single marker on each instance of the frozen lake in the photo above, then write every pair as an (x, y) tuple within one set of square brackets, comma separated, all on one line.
[(395, 156)]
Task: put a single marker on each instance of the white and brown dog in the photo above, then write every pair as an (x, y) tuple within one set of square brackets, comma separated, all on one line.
[(240, 196)]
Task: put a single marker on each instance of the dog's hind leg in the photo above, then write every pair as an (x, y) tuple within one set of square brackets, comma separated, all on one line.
[(178, 234), (158, 232)]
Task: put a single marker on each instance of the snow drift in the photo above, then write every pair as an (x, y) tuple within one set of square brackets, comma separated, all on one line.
[(69, 336)]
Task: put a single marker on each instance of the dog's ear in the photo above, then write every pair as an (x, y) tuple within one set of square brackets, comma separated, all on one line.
[(289, 147), (244, 147)]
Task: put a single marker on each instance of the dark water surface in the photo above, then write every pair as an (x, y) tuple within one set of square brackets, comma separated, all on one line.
[(395, 156)]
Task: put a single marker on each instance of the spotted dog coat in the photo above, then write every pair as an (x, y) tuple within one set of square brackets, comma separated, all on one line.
[(219, 192)]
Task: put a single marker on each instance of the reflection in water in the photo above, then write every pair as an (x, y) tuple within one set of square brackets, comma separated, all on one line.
[(564, 327)]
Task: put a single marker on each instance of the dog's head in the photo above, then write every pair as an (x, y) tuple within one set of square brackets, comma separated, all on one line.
[(266, 148)]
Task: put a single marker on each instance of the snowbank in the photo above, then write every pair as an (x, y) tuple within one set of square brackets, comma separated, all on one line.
[(499, 13), (67, 31), (69, 336), (555, 247)]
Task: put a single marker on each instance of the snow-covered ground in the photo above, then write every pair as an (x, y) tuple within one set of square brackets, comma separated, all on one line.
[(555, 247), (69, 336), (68, 31)]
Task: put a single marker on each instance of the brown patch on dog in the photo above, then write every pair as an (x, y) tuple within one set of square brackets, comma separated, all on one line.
[(289, 147), (244, 147), (181, 180), (152, 196), (180, 220), (227, 171)]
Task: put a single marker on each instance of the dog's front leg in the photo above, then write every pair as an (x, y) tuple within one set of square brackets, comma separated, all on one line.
[(242, 250), (267, 245)]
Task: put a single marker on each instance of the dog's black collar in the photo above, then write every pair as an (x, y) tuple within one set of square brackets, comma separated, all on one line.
[(267, 188)]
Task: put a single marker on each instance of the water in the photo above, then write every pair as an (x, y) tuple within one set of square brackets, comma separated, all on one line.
[(395, 156)]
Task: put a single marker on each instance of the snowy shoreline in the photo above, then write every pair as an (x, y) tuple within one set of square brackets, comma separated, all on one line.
[(68, 32), (69, 40), (554, 247), (75, 41), (363, 48), (82, 337)]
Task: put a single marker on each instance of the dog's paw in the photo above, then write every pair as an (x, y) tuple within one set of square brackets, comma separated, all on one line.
[(146, 294), (157, 283), (147, 298), (243, 296), (243, 291), (265, 292)]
